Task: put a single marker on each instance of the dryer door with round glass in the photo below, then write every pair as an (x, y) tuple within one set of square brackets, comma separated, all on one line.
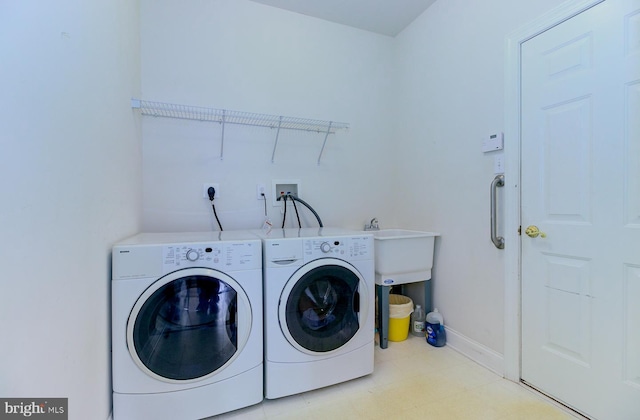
[(189, 325), (319, 310)]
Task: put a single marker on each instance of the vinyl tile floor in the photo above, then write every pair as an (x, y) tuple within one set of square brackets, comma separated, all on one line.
[(413, 380)]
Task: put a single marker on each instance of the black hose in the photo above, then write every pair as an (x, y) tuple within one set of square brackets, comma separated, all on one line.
[(304, 203), (284, 216), (212, 193), (213, 206), (296, 209), (264, 197)]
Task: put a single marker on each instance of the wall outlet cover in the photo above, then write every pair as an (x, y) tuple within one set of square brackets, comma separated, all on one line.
[(205, 190), (261, 192)]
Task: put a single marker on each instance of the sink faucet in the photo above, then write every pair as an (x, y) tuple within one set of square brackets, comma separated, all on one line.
[(373, 225)]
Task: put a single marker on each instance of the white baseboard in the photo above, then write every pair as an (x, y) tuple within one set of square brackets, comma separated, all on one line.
[(475, 351)]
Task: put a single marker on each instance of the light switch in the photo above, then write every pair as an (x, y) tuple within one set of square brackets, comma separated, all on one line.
[(498, 164)]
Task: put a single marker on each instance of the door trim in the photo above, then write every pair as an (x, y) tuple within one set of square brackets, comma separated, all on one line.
[(512, 275)]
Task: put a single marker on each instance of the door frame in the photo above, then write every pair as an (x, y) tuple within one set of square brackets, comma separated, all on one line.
[(512, 267)]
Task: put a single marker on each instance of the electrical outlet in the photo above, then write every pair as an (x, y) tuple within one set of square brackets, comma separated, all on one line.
[(261, 192), (205, 190)]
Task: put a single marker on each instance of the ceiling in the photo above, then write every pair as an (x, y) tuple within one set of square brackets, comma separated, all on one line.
[(386, 17)]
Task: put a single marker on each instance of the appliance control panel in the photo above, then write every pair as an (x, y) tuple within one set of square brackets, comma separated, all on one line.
[(352, 247), (222, 256)]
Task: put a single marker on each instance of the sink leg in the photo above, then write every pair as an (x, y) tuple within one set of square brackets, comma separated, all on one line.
[(428, 297), (383, 314)]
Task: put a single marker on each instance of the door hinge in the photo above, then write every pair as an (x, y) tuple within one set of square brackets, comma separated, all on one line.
[(519, 230)]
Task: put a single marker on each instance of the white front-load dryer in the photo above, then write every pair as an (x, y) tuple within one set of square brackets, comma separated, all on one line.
[(187, 338), (319, 308)]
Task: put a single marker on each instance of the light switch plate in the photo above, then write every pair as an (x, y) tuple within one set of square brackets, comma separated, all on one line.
[(498, 164)]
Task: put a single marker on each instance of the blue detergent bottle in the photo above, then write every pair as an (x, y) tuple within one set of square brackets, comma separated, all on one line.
[(434, 329)]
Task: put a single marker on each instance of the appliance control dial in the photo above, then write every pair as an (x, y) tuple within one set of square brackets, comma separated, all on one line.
[(192, 255), (325, 247)]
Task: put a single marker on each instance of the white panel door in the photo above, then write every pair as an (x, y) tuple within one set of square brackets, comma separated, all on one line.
[(580, 185)]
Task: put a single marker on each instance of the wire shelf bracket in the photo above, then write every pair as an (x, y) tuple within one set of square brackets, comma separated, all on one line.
[(224, 116)]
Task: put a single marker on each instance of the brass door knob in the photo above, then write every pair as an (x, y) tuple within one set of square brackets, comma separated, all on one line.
[(533, 232)]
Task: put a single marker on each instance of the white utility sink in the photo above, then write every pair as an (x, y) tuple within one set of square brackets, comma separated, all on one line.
[(403, 256)]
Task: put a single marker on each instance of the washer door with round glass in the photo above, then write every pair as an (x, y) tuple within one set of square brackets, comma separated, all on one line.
[(189, 325), (319, 310)]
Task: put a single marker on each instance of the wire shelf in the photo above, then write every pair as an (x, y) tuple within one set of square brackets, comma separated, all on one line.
[(224, 116), (188, 112)]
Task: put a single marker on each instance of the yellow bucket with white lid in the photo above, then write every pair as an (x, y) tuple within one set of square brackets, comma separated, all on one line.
[(400, 309)]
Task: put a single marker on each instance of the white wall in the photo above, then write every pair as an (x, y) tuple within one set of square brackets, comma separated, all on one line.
[(450, 94), (244, 56), (70, 161), (418, 105), (71, 177)]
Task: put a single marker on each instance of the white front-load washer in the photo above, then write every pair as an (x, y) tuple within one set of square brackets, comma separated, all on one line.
[(187, 338), (319, 308)]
